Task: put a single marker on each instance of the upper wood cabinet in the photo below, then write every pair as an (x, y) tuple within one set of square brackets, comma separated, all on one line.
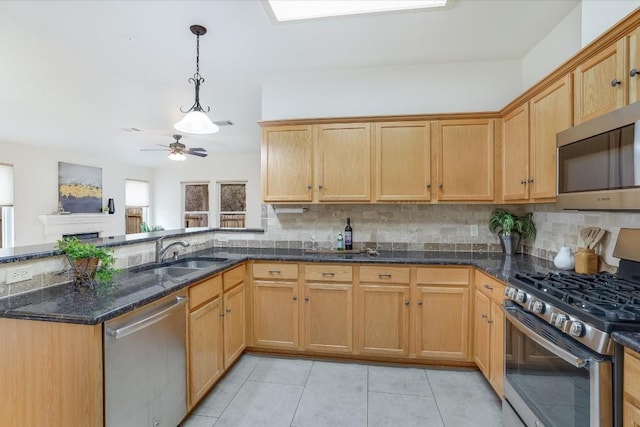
[(344, 162), (465, 153), (529, 144), (287, 164), (403, 161), (550, 113)]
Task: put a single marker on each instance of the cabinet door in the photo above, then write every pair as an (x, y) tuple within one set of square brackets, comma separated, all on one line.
[(515, 154), (465, 159), (496, 365), (403, 161), (383, 321), (344, 162), (275, 314), (482, 333), (634, 64), (205, 349), (287, 164), (596, 91), (550, 113), (235, 332), (328, 317)]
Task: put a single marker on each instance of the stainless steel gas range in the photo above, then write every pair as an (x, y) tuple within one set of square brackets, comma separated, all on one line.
[(560, 365)]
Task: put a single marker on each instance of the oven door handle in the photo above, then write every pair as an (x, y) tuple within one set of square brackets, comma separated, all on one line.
[(578, 362)]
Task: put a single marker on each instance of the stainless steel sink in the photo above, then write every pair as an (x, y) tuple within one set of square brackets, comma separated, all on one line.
[(173, 271), (197, 262), (180, 267)]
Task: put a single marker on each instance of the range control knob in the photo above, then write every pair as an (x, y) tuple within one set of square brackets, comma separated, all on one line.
[(576, 329), (520, 297), (558, 320), (510, 292), (536, 307)]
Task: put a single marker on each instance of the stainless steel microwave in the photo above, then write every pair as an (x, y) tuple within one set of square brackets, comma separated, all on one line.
[(599, 162)]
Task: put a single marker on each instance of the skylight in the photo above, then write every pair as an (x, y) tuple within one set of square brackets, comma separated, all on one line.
[(291, 10)]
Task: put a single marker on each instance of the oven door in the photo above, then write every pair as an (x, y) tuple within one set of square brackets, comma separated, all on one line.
[(550, 379)]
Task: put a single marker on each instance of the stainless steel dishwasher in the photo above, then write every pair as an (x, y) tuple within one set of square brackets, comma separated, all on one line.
[(145, 365)]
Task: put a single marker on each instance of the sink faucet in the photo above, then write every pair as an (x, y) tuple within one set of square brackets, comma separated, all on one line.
[(161, 251)]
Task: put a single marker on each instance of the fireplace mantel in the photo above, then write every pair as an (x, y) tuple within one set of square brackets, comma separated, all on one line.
[(57, 225)]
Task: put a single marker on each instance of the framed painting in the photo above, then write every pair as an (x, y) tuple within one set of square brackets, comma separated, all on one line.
[(80, 188)]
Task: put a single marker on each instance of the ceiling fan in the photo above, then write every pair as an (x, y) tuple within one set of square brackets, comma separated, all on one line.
[(177, 150)]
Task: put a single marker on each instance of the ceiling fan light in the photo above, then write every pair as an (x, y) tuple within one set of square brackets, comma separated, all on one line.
[(177, 157), (196, 122)]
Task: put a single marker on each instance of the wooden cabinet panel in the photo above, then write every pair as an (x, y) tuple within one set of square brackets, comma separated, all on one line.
[(631, 415), (204, 291), (384, 274), (465, 160), (515, 154), (496, 364), (633, 41), (275, 271), (328, 273), (233, 277), (287, 164), (235, 331), (550, 113), (50, 374), (403, 161), (383, 323), (457, 276), (328, 317), (344, 162), (275, 314), (205, 349), (594, 92), (482, 333), (492, 288), (442, 327), (631, 411)]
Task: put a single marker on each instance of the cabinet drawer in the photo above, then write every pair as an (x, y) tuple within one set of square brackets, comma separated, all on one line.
[(275, 271), (384, 274), (204, 291), (632, 373), (233, 277), (489, 286), (443, 276), (328, 273)]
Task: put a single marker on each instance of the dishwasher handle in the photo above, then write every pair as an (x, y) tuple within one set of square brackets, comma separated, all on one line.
[(139, 324)]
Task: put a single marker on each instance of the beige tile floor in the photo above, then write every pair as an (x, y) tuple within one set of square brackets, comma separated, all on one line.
[(290, 392)]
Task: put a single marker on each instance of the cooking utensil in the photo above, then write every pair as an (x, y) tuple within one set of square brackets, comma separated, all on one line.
[(596, 239), (588, 234)]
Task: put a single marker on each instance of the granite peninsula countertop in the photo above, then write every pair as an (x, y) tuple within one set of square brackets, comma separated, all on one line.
[(64, 303), (627, 339)]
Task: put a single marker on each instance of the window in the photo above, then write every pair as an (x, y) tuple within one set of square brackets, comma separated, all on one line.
[(136, 194), (196, 205), (233, 204), (6, 206)]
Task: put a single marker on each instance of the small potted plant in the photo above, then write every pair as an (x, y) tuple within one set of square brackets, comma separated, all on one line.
[(90, 264), (511, 229)]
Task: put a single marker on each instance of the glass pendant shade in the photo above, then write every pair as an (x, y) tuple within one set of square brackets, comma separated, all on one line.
[(196, 122), (177, 157)]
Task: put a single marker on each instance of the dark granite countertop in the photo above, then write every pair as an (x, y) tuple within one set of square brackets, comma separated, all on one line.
[(64, 303), (627, 339)]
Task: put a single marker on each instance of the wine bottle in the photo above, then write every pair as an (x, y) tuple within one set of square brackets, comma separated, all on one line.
[(348, 236), (340, 242)]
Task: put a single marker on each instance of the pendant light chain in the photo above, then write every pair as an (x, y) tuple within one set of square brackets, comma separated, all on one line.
[(197, 76)]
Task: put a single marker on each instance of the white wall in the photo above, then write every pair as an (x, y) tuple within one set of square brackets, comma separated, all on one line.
[(35, 181), (559, 45), (600, 15), (167, 206), (418, 89)]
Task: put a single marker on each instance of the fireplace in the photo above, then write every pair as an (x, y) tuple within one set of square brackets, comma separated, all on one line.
[(83, 237), (83, 226)]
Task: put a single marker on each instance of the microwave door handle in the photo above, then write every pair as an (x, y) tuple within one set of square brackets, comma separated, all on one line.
[(561, 353)]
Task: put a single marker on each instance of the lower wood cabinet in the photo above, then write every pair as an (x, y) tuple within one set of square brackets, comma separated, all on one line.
[(275, 305), (631, 406), (489, 329), (235, 325)]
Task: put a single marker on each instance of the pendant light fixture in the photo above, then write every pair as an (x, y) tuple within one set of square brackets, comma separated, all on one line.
[(195, 120)]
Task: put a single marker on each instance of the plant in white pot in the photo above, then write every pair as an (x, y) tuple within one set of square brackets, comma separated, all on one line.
[(511, 229)]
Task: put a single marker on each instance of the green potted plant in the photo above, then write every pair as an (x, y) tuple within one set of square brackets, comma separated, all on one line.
[(90, 264), (511, 229)]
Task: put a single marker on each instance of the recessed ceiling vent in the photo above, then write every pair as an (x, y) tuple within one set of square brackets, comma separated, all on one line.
[(224, 123)]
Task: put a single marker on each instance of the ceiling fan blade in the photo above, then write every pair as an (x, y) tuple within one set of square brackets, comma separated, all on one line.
[(162, 145), (154, 149), (197, 149), (197, 153)]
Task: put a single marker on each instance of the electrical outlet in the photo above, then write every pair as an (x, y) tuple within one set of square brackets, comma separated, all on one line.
[(474, 230), (19, 274)]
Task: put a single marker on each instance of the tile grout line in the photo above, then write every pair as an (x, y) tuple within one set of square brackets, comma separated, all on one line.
[(435, 399), (304, 386), (238, 390)]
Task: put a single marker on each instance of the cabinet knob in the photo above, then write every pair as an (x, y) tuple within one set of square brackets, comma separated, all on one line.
[(634, 72), (228, 310), (406, 302), (308, 187), (440, 186), (306, 299), (524, 181), (488, 287), (615, 82), (428, 185), (530, 180), (274, 272), (328, 274), (419, 302), (489, 321), (319, 187), (221, 314), (295, 298), (484, 316), (384, 276)]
